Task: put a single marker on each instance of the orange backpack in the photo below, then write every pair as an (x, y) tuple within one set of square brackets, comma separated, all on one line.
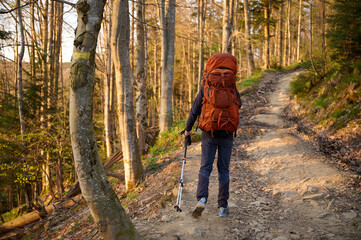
[(220, 103)]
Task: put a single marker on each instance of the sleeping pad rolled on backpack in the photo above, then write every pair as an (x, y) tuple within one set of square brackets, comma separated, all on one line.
[(220, 103)]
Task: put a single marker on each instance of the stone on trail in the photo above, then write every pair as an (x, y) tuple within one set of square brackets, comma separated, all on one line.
[(314, 196), (294, 237), (165, 218), (195, 231), (232, 205), (314, 203), (281, 238), (175, 191)]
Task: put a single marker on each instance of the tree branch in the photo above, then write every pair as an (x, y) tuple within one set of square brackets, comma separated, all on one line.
[(66, 2), (4, 11)]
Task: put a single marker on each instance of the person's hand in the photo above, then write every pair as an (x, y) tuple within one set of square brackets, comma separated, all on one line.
[(186, 133)]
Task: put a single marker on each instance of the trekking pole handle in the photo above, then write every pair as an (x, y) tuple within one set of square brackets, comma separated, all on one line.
[(187, 140)]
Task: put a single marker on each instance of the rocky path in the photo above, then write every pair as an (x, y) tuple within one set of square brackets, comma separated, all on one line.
[(281, 188)]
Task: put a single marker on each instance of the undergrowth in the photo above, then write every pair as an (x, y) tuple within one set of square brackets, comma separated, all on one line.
[(333, 101), (258, 73), (252, 80), (12, 214), (168, 141)]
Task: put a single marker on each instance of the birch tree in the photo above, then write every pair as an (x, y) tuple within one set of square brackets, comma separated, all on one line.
[(141, 96), (133, 168), (108, 88), (167, 24), (28, 195), (103, 203)]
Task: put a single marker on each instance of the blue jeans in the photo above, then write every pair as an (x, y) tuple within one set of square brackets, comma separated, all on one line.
[(223, 143)]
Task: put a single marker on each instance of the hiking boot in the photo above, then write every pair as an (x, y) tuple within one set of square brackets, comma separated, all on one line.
[(197, 212), (223, 212)]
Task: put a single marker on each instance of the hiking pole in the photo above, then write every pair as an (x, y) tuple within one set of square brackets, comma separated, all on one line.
[(187, 142)]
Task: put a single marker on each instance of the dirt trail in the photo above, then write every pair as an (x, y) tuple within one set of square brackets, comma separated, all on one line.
[(281, 188)]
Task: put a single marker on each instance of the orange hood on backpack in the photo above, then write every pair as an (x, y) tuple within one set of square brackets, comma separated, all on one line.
[(220, 60)]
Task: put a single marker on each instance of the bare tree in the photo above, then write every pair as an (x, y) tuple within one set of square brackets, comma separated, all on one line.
[(280, 46), (167, 23), (28, 195), (227, 25), (323, 35), (311, 39), (248, 38), (103, 203), (133, 168), (289, 43), (300, 9), (202, 6), (266, 50), (141, 94), (108, 87)]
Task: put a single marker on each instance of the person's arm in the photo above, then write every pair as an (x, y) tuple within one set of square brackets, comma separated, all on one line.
[(195, 110), (239, 98)]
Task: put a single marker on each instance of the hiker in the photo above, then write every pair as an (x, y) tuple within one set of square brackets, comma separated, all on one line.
[(217, 103)]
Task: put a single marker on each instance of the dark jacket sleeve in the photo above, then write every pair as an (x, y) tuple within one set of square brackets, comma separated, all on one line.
[(239, 98), (195, 110)]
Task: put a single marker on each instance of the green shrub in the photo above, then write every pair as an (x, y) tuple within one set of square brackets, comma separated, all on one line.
[(305, 64), (12, 214), (171, 140), (252, 80), (322, 101), (300, 85)]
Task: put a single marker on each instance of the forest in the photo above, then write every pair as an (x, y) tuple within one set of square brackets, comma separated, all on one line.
[(86, 84)]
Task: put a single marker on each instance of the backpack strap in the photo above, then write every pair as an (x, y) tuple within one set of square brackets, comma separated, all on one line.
[(209, 87)]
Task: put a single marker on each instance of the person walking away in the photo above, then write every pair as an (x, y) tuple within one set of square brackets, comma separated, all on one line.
[(217, 105)]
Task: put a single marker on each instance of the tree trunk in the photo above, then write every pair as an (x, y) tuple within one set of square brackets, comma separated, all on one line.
[(46, 174), (28, 195), (201, 19), (189, 73), (236, 27), (59, 177), (286, 45), (141, 96), (323, 41), (280, 46), (108, 116), (20, 73), (120, 47), (11, 197), (311, 33), (299, 29), (103, 203), (266, 50), (167, 23), (227, 26), (247, 19), (33, 41), (289, 43)]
